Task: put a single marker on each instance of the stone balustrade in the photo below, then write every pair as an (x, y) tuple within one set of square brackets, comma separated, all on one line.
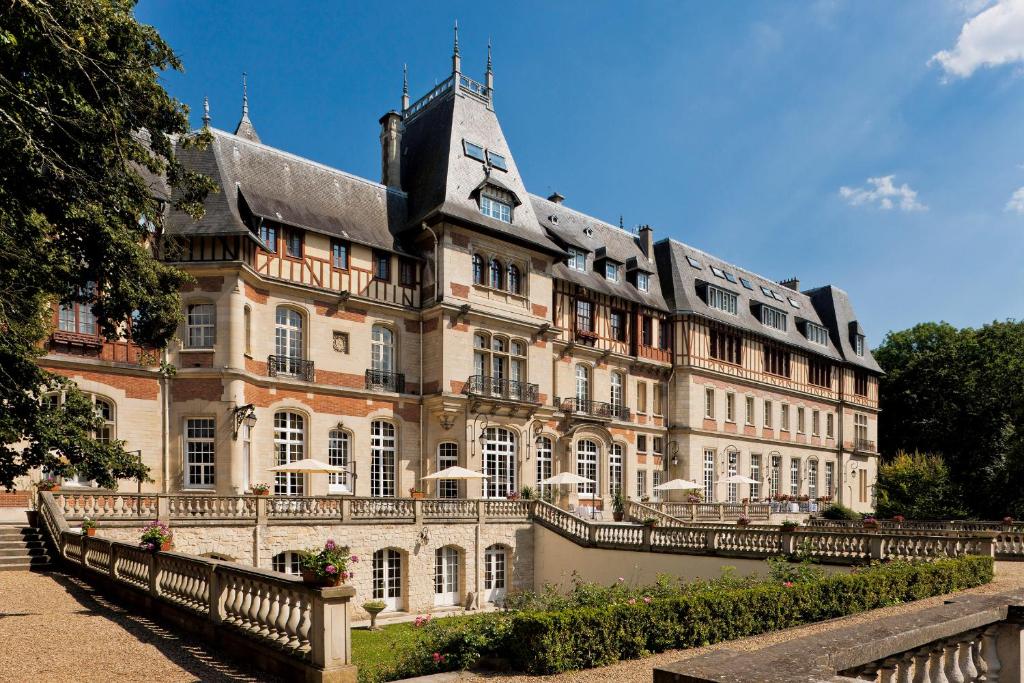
[(970, 638), (286, 627), (706, 512), (1008, 538)]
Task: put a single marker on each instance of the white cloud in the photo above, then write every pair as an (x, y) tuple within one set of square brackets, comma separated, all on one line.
[(882, 192), (994, 36), (1016, 203)]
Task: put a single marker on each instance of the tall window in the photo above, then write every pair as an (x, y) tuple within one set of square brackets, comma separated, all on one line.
[(641, 396), (387, 577), (858, 344), (494, 573), (382, 266), (199, 326), (499, 458), (339, 254), (586, 465), (722, 300), (862, 485), (734, 468), (812, 479), (543, 464), (830, 425), (656, 401), (584, 316), (78, 317), (382, 349), (495, 208), (755, 474), (617, 325), (515, 284), (615, 469), (646, 330), (290, 444), (656, 477), (406, 272), (268, 236), (784, 417), (775, 476), (496, 273), (726, 346), (709, 476), (611, 272), (447, 456), (577, 259), (478, 269), (749, 415), (800, 425), (338, 455), (860, 383), (819, 372), (617, 396), (582, 386), (730, 407), (830, 477), (776, 361), (642, 282), (768, 410), (247, 322), (794, 476), (200, 435), (288, 340), (709, 403), (641, 484), (382, 459), (860, 430), (446, 576), (815, 423), (293, 243), (663, 329)]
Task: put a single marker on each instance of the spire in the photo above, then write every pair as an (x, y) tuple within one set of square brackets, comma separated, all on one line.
[(489, 80), (456, 60), (622, 223), (206, 112), (245, 128), (405, 87)]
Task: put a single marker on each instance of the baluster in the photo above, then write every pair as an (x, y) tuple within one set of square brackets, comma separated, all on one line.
[(243, 611), (264, 614), (990, 655), (283, 597), (253, 613), (921, 666), (274, 613), (954, 658), (306, 623), (970, 671), (294, 615)]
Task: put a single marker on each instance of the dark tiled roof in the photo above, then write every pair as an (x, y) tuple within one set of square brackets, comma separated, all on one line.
[(838, 316), (291, 190), (571, 227)]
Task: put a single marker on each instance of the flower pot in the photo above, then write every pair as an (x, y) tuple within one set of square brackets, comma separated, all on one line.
[(373, 618), (618, 516), (166, 545), (418, 495), (311, 578), (265, 492), (33, 517), (91, 531)]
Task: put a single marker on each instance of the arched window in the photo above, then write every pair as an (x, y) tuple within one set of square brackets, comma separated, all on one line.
[(582, 387), (199, 326), (478, 269), (543, 465), (615, 469), (499, 458), (387, 577), (338, 455), (287, 562), (382, 459), (495, 573), (496, 274), (586, 465), (382, 357), (290, 444), (288, 341), (497, 361), (447, 456), (446, 576), (514, 282)]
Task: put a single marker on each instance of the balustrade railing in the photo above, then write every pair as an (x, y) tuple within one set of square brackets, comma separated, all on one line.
[(706, 512), (211, 507), (596, 409), (506, 389), (288, 366), (382, 508), (74, 505), (304, 507), (385, 381)]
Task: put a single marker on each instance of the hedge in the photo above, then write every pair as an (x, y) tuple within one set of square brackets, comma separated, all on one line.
[(540, 642)]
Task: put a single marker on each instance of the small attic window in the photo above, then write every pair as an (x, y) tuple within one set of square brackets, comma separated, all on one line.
[(642, 282), (794, 303), (495, 208), (497, 160), (589, 232), (858, 344), (730, 277), (473, 150), (767, 292), (693, 262), (717, 271), (746, 283)]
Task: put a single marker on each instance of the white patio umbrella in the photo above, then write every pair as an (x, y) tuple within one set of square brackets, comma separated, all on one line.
[(457, 473), (739, 479), (566, 478), (308, 466), (678, 485)]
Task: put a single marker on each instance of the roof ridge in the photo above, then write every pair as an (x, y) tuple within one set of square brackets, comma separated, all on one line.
[(311, 162)]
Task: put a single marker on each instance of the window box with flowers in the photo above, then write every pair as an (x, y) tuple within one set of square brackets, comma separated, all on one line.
[(416, 494), (327, 566), (260, 489), (870, 523), (156, 536), (742, 520)]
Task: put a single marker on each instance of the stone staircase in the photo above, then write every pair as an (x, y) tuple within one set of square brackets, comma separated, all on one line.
[(22, 548)]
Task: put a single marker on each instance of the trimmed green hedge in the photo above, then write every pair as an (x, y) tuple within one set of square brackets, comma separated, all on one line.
[(545, 642)]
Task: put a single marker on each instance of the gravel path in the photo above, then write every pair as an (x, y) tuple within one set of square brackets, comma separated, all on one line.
[(54, 627), (1009, 575)]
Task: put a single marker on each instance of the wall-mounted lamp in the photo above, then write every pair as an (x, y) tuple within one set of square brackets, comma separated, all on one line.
[(244, 414)]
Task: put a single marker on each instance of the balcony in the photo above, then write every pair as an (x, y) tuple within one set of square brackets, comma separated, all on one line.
[(863, 446), (286, 366), (385, 381), (598, 410), (481, 386)]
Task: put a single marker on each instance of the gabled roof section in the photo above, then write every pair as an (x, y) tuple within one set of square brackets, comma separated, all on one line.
[(837, 314), (576, 229), (681, 282), (261, 181)]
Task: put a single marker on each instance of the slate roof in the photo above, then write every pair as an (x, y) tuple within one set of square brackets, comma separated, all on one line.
[(571, 228), (838, 316), (680, 283), (268, 182)]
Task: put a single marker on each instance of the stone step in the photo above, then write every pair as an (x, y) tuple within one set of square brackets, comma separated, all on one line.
[(15, 532), (6, 553), (35, 563), (27, 543)]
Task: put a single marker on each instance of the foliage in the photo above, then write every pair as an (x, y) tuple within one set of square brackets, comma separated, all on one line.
[(260, 489), (789, 525), (374, 605), (526, 493), (154, 535), (916, 485), (88, 523), (48, 484), (374, 652), (87, 128), (959, 394), (650, 522), (328, 562), (840, 511), (618, 503)]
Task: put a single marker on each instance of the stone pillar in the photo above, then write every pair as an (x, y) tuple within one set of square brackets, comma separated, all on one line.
[(231, 479), (329, 634)]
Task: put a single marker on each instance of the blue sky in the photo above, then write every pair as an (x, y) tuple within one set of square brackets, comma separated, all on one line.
[(734, 127)]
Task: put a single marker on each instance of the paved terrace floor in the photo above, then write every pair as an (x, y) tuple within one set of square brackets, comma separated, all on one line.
[(54, 627)]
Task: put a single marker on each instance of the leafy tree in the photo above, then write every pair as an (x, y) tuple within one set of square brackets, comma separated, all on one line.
[(87, 128), (916, 486), (959, 394)]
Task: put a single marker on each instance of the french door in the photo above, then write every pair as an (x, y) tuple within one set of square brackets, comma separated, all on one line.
[(387, 578), (499, 456), (446, 576), (494, 574)]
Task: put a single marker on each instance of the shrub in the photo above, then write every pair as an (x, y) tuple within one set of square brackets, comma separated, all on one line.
[(840, 511), (328, 563)]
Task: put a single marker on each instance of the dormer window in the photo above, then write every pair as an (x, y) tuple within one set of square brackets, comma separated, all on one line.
[(718, 271), (268, 236), (858, 344), (497, 161), (473, 150), (816, 333), (577, 259), (642, 282), (773, 317), (722, 299), (611, 272), (495, 208)]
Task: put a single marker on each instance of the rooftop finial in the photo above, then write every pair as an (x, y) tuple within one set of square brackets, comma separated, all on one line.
[(405, 87), (488, 54), (456, 60), (622, 223), (245, 96), (245, 128), (456, 36), (489, 78), (206, 112)]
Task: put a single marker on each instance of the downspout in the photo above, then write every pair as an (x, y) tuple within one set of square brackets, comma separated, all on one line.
[(165, 424)]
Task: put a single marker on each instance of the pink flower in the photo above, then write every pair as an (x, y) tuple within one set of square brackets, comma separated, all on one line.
[(621, 579), (787, 584), (344, 576), (647, 599), (354, 558), (632, 601), (331, 569), (438, 658), (330, 545)]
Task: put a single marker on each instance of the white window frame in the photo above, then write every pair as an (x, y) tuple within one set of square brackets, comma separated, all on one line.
[(382, 349), (287, 562), (641, 484), (794, 476), (773, 317), (587, 456), (544, 465), (447, 456), (200, 452), (643, 282), (289, 446), (723, 300), (830, 477), (615, 458), (339, 453), (858, 344), (577, 259), (611, 272), (495, 208), (749, 416), (499, 462), (812, 479), (709, 475), (386, 573), (816, 334), (755, 473), (733, 465), (446, 576), (768, 417), (383, 459), (730, 407), (709, 403), (495, 573), (200, 325)]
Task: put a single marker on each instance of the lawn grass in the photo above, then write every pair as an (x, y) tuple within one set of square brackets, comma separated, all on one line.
[(374, 652)]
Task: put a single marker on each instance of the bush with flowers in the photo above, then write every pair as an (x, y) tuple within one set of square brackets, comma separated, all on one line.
[(155, 536), (327, 566)]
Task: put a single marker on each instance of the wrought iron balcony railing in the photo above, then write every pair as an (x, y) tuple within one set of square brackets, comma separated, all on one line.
[(286, 366), (598, 409), (385, 381), (508, 389), (863, 445)]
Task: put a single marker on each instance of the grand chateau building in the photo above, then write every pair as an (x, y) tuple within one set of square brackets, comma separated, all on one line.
[(446, 316)]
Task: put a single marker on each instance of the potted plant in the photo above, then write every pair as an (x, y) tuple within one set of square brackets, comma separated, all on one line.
[(260, 489), (513, 495), (870, 523), (374, 607), (327, 566), (88, 527), (526, 493), (618, 507), (1007, 520), (789, 526), (650, 522), (899, 519), (416, 494), (693, 498), (742, 520), (156, 536), (49, 484)]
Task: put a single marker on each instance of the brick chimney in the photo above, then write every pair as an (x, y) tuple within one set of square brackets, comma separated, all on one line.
[(391, 150), (646, 234), (556, 198), (792, 283)]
